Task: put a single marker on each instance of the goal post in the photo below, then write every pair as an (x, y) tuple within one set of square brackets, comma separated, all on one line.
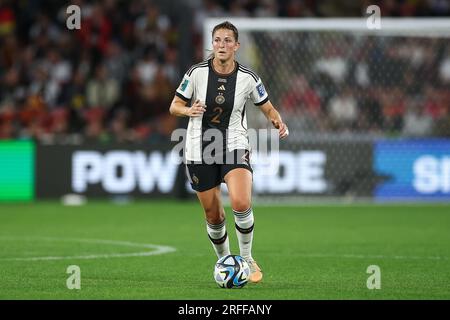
[(347, 92), (399, 26)]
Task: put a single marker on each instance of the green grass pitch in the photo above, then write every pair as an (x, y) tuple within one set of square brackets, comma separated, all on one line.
[(306, 252)]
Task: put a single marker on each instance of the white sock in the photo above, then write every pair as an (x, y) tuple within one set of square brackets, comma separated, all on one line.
[(244, 231), (218, 236)]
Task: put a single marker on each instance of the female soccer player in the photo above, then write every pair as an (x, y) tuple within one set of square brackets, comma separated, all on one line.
[(217, 148)]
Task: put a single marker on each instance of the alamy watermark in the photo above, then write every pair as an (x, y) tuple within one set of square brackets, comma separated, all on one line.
[(374, 18), (374, 280), (73, 21), (74, 280)]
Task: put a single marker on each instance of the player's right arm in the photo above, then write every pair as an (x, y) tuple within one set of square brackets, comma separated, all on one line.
[(183, 95), (179, 108)]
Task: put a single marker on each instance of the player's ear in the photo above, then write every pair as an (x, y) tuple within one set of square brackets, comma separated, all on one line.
[(238, 44)]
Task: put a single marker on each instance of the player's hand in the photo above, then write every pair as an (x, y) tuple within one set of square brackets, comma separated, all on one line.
[(197, 109), (283, 130)]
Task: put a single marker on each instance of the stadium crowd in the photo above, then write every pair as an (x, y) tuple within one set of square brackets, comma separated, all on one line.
[(113, 79), (391, 86)]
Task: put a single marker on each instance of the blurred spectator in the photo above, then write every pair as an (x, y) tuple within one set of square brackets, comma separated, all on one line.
[(96, 31), (301, 98), (416, 122), (236, 9), (393, 107), (444, 68), (116, 62), (11, 88), (208, 8), (147, 66), (60, 126), (170, 66), (297, 8), (439, 7), (7, 121), (33, 117), (151, 27), (343, 110), (75, 100), (333, 63), (119, 127), (7, 19), (94, 130), (9, 51), (370, 115), (394, 66), (44, 27), (268, 8), (102, 91), (436, 102)]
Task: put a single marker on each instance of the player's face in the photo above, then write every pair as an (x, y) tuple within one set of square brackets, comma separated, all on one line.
[(224, 44)]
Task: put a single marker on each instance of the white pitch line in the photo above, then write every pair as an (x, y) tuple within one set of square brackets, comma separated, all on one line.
[(156, 249), (159, 249), (361, 256)]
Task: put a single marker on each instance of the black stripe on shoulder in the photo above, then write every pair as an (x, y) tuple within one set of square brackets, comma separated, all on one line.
[(198, 65), (250, 72)]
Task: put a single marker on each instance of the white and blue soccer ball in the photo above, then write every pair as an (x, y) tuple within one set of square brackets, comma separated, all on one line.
[(231, 271)]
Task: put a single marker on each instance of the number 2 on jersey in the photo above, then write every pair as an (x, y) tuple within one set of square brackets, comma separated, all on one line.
[(219, 111)]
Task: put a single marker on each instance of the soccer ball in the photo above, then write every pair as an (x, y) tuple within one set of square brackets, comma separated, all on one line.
[(231, 271)]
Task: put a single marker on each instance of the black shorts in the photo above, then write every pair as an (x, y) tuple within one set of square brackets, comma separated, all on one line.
[(204, 176)]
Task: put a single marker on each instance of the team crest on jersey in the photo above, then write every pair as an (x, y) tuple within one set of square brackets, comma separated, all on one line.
[(261, 90), (220, 99), (184, 84)]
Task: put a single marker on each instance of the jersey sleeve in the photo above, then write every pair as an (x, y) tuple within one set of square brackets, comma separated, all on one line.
[(259, 94), (186, 88)]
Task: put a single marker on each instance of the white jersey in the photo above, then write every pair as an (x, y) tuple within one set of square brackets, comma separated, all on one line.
[(225, 97)]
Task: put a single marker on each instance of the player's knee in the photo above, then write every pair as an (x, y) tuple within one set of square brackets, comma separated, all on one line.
[(240, 205), (214, 215), (215, 220)]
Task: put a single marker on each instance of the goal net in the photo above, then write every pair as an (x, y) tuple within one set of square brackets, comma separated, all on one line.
[(344, 90)]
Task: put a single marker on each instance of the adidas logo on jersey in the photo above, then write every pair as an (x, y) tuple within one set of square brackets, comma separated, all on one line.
[(222, 87)]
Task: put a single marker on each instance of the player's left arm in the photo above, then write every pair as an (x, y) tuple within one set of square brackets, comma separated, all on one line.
[(274, 116)]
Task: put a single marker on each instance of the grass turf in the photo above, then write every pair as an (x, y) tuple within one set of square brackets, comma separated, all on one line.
[(306, 252)]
